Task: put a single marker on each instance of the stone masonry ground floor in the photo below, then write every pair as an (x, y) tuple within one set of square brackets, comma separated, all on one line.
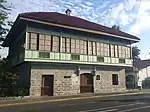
[(64, 79)]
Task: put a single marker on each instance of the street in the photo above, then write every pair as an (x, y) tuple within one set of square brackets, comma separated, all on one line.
[(129, 103)]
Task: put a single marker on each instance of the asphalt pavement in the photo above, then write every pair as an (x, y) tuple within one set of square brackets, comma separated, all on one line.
[(129, 103)]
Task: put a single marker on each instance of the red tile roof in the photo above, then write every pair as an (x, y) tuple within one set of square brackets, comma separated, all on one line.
[(62, 19)]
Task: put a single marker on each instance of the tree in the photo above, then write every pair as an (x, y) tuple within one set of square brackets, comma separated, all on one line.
[(3, 17), (146, 83), (7, 78), (135, 53), (116, 27)]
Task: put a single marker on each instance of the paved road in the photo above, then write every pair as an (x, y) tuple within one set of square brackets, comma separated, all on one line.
[(132, 103)]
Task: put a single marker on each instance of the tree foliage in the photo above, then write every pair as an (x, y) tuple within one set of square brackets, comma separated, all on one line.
[(4, 12), (7, 78), (135, 53), (146, 83), (116, 27)]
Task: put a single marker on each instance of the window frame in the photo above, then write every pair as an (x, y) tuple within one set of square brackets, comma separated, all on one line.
[(98, 77), (115, 79), (52, 43)]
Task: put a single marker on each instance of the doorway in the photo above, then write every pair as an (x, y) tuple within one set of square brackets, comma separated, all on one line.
[(47, 85), (86, 83)]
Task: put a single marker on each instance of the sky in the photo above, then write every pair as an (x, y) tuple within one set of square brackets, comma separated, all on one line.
[(133, 16)]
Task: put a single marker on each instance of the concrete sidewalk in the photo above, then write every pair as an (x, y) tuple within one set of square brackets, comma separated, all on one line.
[(46, 99)]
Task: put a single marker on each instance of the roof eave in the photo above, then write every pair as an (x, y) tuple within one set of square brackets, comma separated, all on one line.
[(80, 29), (5, 43)]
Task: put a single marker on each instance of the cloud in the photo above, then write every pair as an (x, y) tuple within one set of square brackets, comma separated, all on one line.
[(142, 22)]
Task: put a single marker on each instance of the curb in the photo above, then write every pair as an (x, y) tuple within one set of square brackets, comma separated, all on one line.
[(68, 99)]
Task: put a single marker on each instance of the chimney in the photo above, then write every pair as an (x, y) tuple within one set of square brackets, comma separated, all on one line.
[(68, 11)]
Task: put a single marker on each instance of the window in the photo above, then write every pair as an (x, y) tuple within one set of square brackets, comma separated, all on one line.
[(100, 59), (73, 46), (116, 50), (44, 42), (55, 45), (63, 44), (122, 51), (102, 49), (112, 50), (77, 46), (47, 46), (97, 77), (90, 48), (98, 48), (44, 55), (32, 41), (106, 49), (75, 57), (114, 79), (40, 42), (83, 47), (128, 52), (94, 48), (121, 60), (66, 44)]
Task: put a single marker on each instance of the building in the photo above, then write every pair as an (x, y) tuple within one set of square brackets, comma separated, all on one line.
[(143, 70), (59, 54)]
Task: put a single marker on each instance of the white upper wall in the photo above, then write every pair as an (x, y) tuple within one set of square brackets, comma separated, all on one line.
[(143, 73)]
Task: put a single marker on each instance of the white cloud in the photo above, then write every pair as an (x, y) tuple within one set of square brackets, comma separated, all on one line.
[(142, 19)]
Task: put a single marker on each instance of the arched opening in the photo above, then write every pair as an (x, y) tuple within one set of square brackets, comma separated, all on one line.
[(86, 83), (130, 82)]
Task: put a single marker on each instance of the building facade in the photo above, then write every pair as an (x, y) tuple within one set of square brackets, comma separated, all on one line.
[(58, 54), (143, 71)]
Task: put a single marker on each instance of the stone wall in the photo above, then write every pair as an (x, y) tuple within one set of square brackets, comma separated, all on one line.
[(62, 86), (104, 85), (71, 85)]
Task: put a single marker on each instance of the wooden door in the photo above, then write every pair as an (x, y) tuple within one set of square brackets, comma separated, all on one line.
[(86, 83), (47, 85)]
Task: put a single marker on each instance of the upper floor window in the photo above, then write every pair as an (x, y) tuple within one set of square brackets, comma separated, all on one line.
[(55, 44), (90, 48), (83, 47), (94, 48), (44, 42), (102, 49), (124, 52), (75, 46), (66, 44), (116, 51), (128, 52), (112, 49), (32, 41)]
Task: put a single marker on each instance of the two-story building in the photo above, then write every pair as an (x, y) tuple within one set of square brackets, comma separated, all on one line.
[(59, 54)]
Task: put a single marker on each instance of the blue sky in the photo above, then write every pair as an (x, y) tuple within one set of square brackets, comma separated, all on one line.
[(133, 16)]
